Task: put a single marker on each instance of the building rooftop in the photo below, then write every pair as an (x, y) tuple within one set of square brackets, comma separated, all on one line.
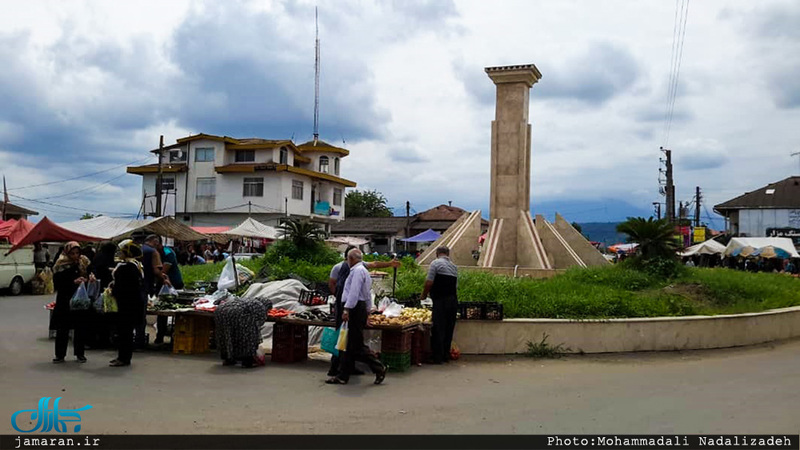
[(15, 210), (784, 194)]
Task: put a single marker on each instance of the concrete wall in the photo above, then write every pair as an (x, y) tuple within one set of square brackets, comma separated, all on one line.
[(629, 335), (509, 271)]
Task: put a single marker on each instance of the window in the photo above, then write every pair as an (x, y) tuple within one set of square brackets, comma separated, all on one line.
[(336, 166), (167, 183), (770, 191), (204, 154), (337, 197), (297, 190), (177, 156), (284, 155), (323, 164), (253, 187), (245, 156), (206, 187)]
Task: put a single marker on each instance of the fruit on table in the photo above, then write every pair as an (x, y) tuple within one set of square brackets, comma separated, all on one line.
[(417, 314), (279, 312), (380, 319)]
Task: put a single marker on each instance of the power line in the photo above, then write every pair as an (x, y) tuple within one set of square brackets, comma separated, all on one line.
[(70, 207), (678, 40), (86, 189), (79, 176)]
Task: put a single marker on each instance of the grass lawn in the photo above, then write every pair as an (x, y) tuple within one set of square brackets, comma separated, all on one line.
[(606, 292)]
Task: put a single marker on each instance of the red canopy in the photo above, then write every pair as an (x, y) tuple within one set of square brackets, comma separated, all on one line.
[(48, 231), (15, 230)]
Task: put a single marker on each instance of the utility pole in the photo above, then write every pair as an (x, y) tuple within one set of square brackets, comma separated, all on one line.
[(158, 179), (697, 198), (408, 212), (670, 187), (286, 206), (249, 208), (657, 205)]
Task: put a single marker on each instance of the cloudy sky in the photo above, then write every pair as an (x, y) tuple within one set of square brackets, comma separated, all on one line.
[(89, 86)]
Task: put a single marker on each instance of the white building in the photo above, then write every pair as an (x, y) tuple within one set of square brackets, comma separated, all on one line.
[(218, 181), (771, 211)]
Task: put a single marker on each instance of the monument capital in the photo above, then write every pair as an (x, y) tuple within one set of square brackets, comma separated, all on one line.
[(525, 73)]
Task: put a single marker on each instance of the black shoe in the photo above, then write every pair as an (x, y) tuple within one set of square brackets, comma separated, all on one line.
[(335, 380), (58, 360), (379, 377), (81, 359), (118, 363)]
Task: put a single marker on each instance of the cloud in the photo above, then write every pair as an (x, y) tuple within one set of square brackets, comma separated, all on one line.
[(700, 154), (407, 154)]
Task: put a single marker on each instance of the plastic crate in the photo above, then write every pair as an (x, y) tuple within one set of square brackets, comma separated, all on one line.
[(395, 341), (288, 353), (397, 362), (471, 311), (313, 298), (420, 345), (492, 311), (188, 344), (289, 343), (289, 332)]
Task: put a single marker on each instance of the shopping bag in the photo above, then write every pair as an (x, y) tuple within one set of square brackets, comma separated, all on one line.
[(97, 304), (80, 299), (330, 338), (93, 289), (167, 294), (109, 302), (341, 343), (227, 279)]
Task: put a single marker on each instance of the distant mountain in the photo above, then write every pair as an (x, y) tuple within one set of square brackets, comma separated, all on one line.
[(589, 211), (605, 232)]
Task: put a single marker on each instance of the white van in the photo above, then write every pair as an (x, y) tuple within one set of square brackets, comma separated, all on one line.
[(16, 269)]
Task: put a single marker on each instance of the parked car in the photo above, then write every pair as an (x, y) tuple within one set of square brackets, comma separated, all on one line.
[(16, 269)]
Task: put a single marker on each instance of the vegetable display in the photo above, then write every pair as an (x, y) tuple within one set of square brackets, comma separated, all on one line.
[(417, 314), (279, 312)]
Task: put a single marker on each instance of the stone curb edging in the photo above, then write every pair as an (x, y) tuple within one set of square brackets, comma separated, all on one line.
[(629, 335)]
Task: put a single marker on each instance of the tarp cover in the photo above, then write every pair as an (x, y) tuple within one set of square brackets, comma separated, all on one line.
[(347, 240), (284, 294), (47, 230), (756, 243), (710, 247), (111, 228), (251, 228), (15, 230), (426, 236)]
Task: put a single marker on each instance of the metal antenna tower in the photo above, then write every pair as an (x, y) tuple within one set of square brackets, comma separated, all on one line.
[(316, 79)]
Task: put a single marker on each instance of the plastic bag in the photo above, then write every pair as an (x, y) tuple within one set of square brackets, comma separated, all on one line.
[(330, 338), (393, 310), (227, 277), (80, 299), (167, 293), (93, 289), (47, 278), (341, 343), (109, 302), (97, 304), (385, 302)]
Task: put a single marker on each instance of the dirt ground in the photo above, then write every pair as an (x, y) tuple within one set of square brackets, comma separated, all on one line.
[(747, 390)]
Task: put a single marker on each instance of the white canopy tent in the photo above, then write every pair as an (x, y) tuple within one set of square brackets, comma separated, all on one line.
[(785, 244), (710, 247), (111, 228), (251, 228), (347, 240)]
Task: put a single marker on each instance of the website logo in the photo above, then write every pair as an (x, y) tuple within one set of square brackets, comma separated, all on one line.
[(50, 419)]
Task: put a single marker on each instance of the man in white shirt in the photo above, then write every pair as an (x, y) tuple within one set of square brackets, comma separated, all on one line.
[(357, 292)]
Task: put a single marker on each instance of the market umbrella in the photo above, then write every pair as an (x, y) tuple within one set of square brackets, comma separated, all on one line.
[(772, 252), (744, 252)]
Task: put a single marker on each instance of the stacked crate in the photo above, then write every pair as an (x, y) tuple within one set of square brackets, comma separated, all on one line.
[(191, 335), (396, 349), (421, 345), (289, 343)]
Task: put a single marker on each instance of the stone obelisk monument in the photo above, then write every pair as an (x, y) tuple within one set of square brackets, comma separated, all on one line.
[(513, 240)]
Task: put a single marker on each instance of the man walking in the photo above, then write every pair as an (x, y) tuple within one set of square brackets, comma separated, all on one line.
[(442, 284), (336, 282), (355, 297)]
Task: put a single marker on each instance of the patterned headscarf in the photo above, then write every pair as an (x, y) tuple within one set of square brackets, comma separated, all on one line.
[(65, 262), (130, 252)]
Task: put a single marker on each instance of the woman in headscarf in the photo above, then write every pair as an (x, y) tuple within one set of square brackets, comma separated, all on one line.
[(238, 329), (128, 290), (100, 324), (69, 271)]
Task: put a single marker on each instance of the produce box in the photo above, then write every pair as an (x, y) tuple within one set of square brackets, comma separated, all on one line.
[(493, 311), (313, 298), (470, 311), (191, 334), (289, 343), (421, 345), (397, 362), (396, 341)]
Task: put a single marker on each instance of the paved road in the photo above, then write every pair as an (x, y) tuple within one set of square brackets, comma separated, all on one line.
[(752, 390)]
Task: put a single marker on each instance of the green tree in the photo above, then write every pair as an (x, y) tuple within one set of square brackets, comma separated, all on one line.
[(655, 237), (303, 234), (87, 216), (366, 204), (577, 227)]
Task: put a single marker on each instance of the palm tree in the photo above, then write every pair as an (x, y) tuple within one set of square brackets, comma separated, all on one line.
[(655, 237), (302, 234)]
